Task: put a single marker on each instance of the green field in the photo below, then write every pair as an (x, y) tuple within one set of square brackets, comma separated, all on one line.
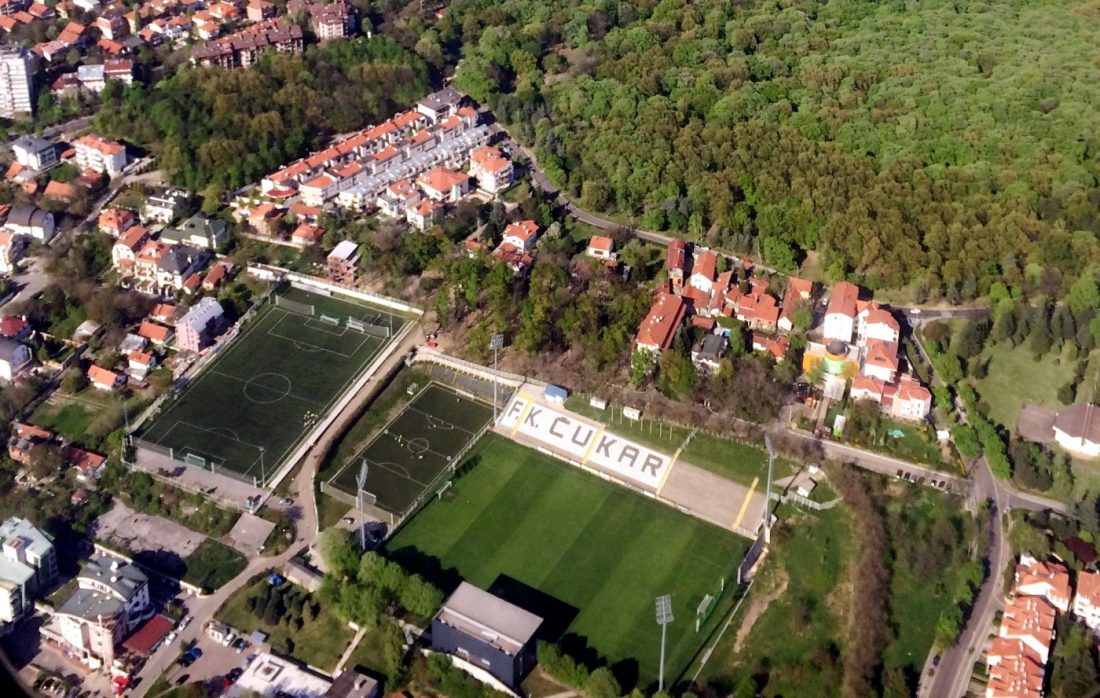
[(213, 564), (247, 410), (405, 458), (588, 556), (1015, 376)]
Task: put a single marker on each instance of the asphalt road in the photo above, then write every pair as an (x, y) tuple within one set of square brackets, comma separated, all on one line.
[(29, 283)]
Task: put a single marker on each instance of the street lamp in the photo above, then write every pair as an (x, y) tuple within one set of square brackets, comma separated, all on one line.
[(664, 617), (361, 482)]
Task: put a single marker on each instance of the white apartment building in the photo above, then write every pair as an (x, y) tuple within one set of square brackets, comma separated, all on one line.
[(35, 153), (16, 82), (99, 154), (28, 567)]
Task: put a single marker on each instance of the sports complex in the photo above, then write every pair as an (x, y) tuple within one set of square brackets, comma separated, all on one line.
[(416, 450), (588, 555), (247, 409)]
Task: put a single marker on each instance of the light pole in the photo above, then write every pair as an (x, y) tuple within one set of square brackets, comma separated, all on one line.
[(664, 617), (768, 496), (263, 471), (496, 343), (361, 481)]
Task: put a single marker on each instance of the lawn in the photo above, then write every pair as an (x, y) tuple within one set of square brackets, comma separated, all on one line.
[(319, 642), (213, 564), (1015, 376), (588, 556), (733, 460), (794, 641)]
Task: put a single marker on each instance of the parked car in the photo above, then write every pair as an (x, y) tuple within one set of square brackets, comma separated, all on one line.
[(240, 644), (182, 679), (235, 673)]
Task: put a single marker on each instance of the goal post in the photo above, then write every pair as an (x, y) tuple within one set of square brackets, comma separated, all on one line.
[(367, 327), (294, 306), (330, 320)]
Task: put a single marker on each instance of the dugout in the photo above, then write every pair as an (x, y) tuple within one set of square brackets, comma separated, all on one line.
[(487, 632)]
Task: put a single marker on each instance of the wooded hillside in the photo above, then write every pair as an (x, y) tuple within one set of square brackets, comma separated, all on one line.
[(941, 144)]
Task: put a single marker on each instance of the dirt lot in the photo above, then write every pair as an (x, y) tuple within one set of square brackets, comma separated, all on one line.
[(136, 531)]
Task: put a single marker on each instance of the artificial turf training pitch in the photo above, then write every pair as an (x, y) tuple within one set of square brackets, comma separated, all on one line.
[(587, 555), (252, 404), (410, 452)]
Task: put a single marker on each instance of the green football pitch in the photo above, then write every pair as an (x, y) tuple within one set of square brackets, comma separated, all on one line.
[(405, 458), (253, 403), (588, 556)]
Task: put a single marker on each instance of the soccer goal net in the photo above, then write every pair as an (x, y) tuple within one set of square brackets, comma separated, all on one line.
[(369, 327), (294, 306), (196, 460), (330, 320)]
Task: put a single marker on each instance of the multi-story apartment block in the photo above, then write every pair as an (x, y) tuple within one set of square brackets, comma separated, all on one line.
[(28, 567), (16, 82), (97, 153)]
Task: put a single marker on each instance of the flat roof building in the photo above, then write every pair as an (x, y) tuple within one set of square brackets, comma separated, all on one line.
[(487, 632)]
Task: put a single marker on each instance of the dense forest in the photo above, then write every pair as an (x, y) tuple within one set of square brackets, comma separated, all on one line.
[(939, 145), (217, 129)]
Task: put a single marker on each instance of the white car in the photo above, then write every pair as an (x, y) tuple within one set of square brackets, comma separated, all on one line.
[(914, 311)]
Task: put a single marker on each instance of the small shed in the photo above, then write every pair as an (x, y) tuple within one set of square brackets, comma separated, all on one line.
[(555, 394)]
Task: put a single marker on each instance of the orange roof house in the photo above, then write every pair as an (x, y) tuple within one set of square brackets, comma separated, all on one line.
[(658, 329)]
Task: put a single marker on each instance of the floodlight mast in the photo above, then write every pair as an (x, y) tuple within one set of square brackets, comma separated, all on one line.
[(768, 496), (496, 343), (361, 484), (664, 617)]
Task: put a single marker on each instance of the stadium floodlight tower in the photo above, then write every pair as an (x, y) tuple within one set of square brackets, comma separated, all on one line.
[(361, 485), (664, 617), (768, 495), (496, 343)]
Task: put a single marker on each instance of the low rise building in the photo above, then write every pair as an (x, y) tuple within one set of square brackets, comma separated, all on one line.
[(708, 353), (1086, 602), (111, 600), (601, 247), (487, 633), (28, 568), (272, 676), (15, 357), (101, 155), (343, 263), (659, 328), (197, 231), (197, 329), (29, 220), (36, 153), (165, 206), (493, 172), (105, 379)]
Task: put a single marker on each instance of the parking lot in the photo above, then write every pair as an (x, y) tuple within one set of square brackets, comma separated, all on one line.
[(216, 661)]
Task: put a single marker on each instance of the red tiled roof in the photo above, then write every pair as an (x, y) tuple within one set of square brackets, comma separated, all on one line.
[(102, 376), (843, 299), (60, 190), (676, 253), (523, 230), (706, 265), (155, 332), (661, 323), (11, 326), (149, 634), (601, 243)]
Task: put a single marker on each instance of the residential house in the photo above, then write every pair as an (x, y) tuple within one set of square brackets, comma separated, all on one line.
[(164, 206), (198, 231), (424, 214), (658, 329), (88, 466), (14, 358), (156, 333), (440, 104), (1014, 670), (125, 251), (36, 153), (306, 234), (799, 294), (521, 235), (775, 346), (12, 247), (15, 328), (601, 247), (25, 219), (179, 265), (443, 184), (147, 263), (493, 172), (1030, 619), (197, 329), (105, 379), (876, 323), (141, 362), (840, 314), (707, 354), (259, 10), (163, 312), (24, 437), (60, 191), (1049, 580), (907, 399), (217, 275), (110, 602), (704, 271), (880, 360), (28, 568), (99, 154), (115, 221), (267, 219), (112, 27), (1077, 430), (1086, 602), (343, 263), (867, 388)]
